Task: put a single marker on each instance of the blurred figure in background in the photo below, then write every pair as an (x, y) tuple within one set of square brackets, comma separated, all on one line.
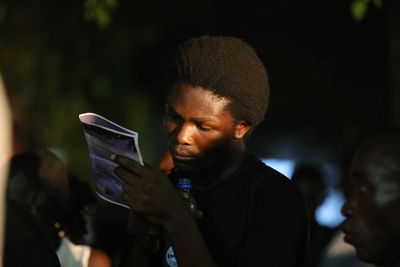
[(73, 250), (31, 237), (338, 252), (372, 206), (39, 188), (310, 180)]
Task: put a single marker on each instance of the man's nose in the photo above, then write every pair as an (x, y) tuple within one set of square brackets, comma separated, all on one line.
[(348, 208), (184, 135)]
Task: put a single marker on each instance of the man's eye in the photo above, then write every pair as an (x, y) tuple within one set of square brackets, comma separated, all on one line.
[(172, 116), (202, 128), (362, 188)]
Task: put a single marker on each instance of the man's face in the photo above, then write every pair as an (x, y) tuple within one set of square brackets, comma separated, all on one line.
[(372, 206), (201, 131)]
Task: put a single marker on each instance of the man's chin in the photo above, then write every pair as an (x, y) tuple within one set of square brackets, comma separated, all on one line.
[(186, 166), (369, 257)]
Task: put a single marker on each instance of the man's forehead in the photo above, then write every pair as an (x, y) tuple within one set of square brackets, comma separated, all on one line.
[(383, 183), (378, 154), (364, 164), (196, 99), (183, 88), (379, 170)]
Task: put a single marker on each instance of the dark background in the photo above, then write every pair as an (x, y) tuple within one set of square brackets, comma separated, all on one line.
[(333, 79)]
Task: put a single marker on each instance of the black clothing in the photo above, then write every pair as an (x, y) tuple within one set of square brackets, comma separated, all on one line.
[(25, 244), (320, 236), (256, 217)]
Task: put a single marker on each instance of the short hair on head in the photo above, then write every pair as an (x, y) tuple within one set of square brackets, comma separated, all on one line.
[(229, 68)]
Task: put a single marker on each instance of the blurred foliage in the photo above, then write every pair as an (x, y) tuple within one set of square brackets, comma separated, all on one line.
[(100, 11), (359, 8), (57, 63)]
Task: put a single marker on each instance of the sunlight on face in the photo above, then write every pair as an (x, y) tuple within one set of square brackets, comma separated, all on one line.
[(200, 129)]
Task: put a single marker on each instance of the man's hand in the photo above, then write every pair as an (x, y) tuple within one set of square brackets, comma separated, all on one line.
[(149, 192)]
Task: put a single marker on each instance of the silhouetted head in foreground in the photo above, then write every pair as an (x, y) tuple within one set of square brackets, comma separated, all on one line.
[(372, 204), (38, 183), (37, 195)]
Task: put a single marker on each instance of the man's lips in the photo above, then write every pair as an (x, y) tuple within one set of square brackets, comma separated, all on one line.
[(182, 157), (349, 235), (349, 238)]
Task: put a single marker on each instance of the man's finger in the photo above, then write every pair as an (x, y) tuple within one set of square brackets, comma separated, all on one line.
[(131, 165), (133, 198), (129, 201), (132, 191), (127, 176)]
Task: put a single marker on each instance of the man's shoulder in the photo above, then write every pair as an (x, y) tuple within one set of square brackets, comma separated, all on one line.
[(268, 182), (261, 173)]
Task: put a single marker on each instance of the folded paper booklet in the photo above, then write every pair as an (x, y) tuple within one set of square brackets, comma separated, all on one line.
[(105, 138)]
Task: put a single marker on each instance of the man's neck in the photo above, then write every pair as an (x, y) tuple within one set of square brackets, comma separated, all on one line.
[(218, 173)]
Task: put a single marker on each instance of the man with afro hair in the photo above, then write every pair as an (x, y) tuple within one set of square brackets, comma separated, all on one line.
[(251, 215)]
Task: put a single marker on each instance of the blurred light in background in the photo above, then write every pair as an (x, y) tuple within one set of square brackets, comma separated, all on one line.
[(328, 214), (284, 166)]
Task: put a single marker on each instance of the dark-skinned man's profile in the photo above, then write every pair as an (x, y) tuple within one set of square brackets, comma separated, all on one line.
[(372, 202)]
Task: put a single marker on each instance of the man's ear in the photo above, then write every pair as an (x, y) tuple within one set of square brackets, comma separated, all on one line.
[(241, 128)]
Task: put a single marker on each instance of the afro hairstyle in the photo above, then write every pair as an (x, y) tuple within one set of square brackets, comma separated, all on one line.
[(229, 68)]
